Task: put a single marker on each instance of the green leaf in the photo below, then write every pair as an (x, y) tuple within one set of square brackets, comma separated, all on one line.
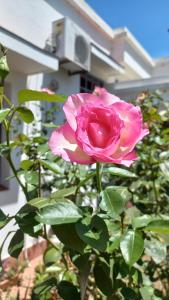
[(43, 148), (112, 202), (25, 114), (156, 250), (93, 231), (141, 221), (83, 263), (64, 192), (68, 291), (39, 202), (26, 164), (3, 219), (129, 293), (3, 114), (132, 246), (62, 212), (16, 244), (32, 177), (102, 277), (52, 166), (31, 95), (4, 69), (158, 226), (119, 172), (45, 286), (51, 256), (147, 292), (165, 169), (67, 234), (25, 219)]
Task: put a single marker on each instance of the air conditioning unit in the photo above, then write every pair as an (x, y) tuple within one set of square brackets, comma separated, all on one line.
[(71, 45)]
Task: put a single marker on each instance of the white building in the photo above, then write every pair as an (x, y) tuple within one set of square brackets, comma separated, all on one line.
[(66, 41)]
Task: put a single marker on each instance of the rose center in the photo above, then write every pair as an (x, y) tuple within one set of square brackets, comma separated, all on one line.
[(98, 134)]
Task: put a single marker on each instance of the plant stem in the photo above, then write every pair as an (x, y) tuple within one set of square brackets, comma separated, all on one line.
[(9, 159), (39, 184), (98, 177), (47, 239)]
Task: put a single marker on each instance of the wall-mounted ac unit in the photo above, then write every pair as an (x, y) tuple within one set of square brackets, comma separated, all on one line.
[(71, 45)]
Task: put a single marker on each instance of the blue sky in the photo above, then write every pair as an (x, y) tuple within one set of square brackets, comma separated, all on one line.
[(148, 20)]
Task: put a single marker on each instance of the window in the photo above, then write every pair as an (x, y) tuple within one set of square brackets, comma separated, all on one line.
[(88, 83)]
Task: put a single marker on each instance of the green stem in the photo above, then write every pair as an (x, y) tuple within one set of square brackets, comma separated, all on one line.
[(39, 184), (98, 177), (48, 240), (9, 159)]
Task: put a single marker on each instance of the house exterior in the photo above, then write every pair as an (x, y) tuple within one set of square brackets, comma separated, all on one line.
[(66, 45)]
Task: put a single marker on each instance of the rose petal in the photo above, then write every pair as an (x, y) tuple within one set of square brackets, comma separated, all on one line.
[(106, 97), (126, 160), (73, 105), (63, 143), (132, 117)]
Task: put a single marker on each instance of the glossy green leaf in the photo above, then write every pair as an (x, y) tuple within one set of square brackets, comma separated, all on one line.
[(32, 177), (67, 234), (3, 219), (68, 291), (31, 95), (119, 172), (147, 292), (63, 192), (52, 166), (83, 263), (25, 219), (25, 114), (93, 231), (102, 277), (156, 250), (43, 148), (4, 69), (129, 293), (112, 202), (51, 256), (16, 244), (39, 202), (62, 212), (26, 164), (158, 226), (141, 221), (3, 114), (45, 286), (132, 246)]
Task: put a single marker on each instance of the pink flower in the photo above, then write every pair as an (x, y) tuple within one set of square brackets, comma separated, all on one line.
[(100, 128)]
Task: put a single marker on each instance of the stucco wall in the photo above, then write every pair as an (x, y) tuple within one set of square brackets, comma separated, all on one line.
[(33, 20)]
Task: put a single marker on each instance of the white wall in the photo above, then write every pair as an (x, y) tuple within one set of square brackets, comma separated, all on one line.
[(32, 20)]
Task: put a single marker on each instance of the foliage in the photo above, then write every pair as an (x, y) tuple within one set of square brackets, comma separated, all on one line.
[(114, 242)]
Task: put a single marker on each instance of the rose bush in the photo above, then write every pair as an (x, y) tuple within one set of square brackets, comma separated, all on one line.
[(100, 128)]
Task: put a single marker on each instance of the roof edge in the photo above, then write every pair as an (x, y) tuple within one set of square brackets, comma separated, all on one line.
[(124, 31), (91, 15)]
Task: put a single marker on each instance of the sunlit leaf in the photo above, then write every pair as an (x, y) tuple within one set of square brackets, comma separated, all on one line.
[(62, 212), (31, 95), (25, 114), (132, 246), (16, 244), (3, 114)]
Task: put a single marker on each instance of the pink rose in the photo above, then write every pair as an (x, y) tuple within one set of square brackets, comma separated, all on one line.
[(100, 128)]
